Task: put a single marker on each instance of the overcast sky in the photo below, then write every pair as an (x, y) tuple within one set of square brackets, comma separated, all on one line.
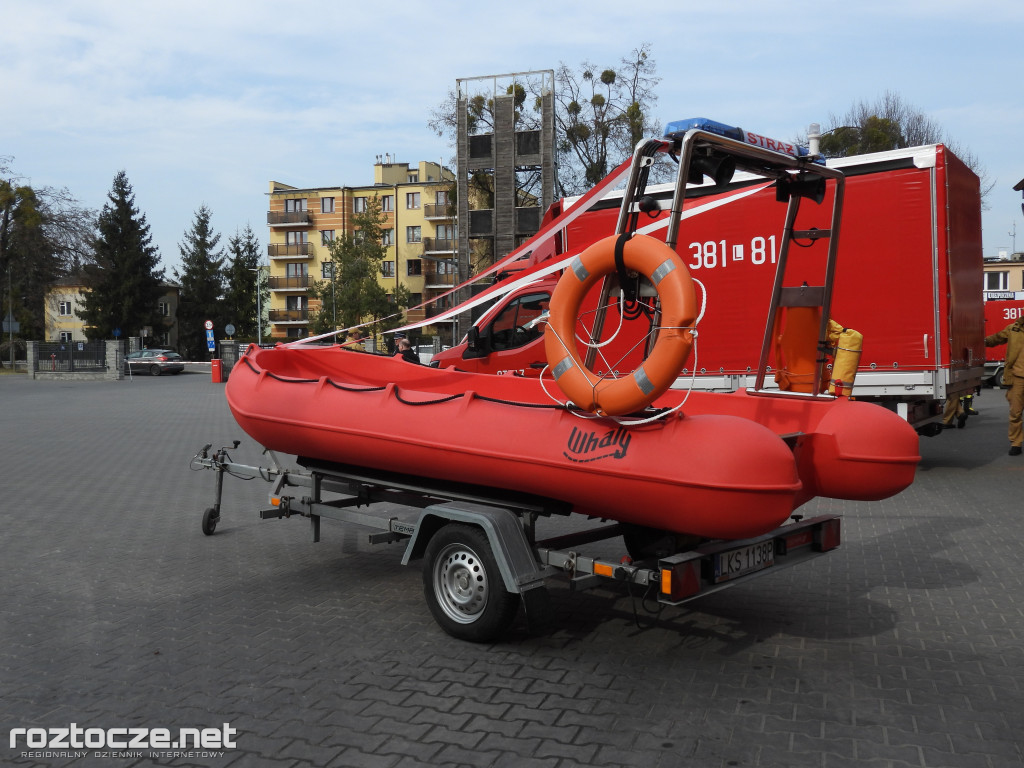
[(206, 102)]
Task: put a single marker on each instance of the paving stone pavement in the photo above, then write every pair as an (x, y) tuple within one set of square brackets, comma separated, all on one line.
[(901, 648)]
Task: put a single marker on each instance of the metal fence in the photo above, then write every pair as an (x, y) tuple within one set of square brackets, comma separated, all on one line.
[(67, 356)]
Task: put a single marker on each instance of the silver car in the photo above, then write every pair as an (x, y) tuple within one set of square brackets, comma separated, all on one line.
[(154, 362)]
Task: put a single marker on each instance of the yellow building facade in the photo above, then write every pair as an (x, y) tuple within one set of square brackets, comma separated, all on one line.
[(419, 237), (66, 297)]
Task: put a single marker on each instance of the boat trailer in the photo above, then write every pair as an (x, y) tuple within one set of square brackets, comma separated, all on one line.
[(479, 546)]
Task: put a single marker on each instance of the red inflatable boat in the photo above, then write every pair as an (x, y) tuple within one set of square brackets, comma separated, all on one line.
[(725, 466)]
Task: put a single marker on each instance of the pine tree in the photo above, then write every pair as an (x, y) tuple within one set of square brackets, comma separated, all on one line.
[(202, 286), (124, 282), (243, 286)]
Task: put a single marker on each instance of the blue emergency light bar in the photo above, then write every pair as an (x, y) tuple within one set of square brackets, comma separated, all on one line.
[(675, 131), (678, 129)]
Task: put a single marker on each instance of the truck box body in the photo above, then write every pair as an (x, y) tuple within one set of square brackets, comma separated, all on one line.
[(908, 277)]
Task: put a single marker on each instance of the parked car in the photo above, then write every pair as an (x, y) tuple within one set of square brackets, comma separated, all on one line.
[(154, 362)]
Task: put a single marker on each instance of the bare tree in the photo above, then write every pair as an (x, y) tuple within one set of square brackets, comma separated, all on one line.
[(888, 123), (600, 115)]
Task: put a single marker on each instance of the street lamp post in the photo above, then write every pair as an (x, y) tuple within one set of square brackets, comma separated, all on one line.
[(259, 306), (334, 296), (10, 317)]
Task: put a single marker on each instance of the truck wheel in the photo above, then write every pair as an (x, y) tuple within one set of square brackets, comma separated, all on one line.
[(463, 585)]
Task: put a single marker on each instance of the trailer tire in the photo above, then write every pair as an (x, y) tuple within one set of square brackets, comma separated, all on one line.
[(210, 518), (463, 586)]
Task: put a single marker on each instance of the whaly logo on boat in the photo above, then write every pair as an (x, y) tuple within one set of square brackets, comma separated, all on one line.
[(587, 446)]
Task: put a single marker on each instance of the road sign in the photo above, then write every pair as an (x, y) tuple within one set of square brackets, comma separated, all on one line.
[(208, 325), (209, 340)]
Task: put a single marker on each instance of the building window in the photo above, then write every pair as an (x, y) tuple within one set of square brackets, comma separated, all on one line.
[(441, 198), (412, 235), (358, 236), (164, 308), (359, 204), (326, 236), (65, 335), (296, 238), (387, 203), (65, 309), (413, 178), (412, 200), (387, 237), (295, 205), (296, 269), (387, 268), (414, 267), (415, 299), (446, 267), (327, 270), (997, 281), (445, 232), (326, 205)]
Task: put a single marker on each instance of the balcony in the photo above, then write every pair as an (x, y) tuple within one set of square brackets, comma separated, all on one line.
[(280, 316), (438, 245), (442, 211), (290, 283), (288, 218), (438, 280), (290, 250)]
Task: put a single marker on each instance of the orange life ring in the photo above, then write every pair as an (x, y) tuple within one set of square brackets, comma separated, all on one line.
[(670, 277)]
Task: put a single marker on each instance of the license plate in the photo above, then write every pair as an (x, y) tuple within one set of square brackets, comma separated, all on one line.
[(744, 560)]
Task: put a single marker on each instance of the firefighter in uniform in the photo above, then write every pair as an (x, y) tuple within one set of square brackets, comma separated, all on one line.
[(1013, 377)]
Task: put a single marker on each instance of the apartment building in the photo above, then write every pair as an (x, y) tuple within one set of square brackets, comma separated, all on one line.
[(65, 298), (419, 236), (1004, 277)]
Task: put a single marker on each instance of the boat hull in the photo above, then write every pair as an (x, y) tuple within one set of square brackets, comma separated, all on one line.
[(712, 471)]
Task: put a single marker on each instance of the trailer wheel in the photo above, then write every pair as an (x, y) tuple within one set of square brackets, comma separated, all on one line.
[(210, 518), (463, 585)]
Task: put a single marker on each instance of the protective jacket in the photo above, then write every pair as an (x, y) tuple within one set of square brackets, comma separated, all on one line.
[(1013, 337)]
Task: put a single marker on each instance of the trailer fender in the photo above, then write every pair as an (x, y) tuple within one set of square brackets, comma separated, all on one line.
[(519, 567)]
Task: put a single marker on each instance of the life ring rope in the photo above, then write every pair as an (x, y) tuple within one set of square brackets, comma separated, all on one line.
[(660, 264)]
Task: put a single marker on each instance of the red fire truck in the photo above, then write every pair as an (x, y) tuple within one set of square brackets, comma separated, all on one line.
[(908, 277), (998, 315)]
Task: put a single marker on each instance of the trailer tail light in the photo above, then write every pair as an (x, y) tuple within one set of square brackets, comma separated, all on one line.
[(827, 535), (793, 541), (680, 580)]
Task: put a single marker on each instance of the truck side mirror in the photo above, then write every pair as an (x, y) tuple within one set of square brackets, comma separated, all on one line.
[(477, 344)]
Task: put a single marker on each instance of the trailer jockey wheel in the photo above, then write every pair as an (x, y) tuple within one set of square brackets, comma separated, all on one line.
[(463, 585), (210, 520)]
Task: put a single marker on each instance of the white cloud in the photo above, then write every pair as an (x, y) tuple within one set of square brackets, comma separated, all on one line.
[(205, 102)]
